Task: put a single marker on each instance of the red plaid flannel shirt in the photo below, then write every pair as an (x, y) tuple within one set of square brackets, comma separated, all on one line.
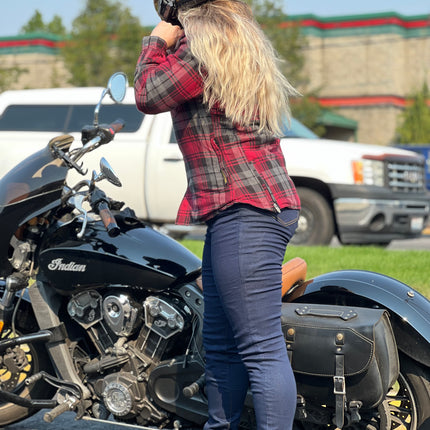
[(225, 164)]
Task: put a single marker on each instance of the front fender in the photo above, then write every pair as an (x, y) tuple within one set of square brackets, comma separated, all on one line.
[(409, 310)]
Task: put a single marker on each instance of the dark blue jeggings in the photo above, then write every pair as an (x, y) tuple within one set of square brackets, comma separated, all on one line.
[(242, 261)]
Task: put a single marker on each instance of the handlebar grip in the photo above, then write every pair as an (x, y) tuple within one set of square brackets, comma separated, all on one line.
[(117, 126), (108, 220)]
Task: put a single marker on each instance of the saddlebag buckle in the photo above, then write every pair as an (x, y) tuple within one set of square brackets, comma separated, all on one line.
[(339, 385)]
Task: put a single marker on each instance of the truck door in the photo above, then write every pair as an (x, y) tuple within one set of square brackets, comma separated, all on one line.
[(165, 178)]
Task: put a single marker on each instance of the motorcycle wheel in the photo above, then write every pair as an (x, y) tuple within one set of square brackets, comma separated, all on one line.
[(404, 408), (17, 365)]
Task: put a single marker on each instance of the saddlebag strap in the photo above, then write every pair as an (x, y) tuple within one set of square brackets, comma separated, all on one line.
[(339, 389), (289, 339)]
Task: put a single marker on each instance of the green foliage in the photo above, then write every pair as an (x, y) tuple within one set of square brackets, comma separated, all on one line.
[(56, 26), (415, 120), (285, 37), (36, 25), (105, 38), (308, 111), (290, 44), (8, 76)]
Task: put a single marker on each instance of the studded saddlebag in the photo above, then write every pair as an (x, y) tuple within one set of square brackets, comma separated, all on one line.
[(343, 357)]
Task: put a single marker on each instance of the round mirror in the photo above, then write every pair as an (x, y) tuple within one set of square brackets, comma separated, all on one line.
[(117, 86)]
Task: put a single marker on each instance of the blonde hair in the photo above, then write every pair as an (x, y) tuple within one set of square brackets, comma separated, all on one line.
[(238, 64)]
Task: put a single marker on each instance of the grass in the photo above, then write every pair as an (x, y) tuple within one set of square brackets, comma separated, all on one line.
[(410, 267)]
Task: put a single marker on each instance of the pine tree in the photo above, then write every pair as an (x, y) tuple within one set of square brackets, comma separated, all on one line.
[(415, 120)]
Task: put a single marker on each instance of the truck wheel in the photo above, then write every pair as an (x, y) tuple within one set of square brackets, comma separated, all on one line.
[(316, 223)]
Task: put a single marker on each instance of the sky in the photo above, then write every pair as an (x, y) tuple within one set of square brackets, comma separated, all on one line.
[(16, 14)]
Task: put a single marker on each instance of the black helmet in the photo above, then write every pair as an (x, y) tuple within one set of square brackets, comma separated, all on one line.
[(168, 9)]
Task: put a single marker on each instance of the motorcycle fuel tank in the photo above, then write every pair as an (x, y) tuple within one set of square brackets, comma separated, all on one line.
[(141, 257)]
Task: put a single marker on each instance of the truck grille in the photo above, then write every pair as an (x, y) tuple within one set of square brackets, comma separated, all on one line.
[(407, 177)]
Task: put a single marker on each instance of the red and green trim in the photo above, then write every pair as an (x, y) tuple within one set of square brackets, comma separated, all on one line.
[(31, 43), (368, 24), (364, 101), (311, 25)]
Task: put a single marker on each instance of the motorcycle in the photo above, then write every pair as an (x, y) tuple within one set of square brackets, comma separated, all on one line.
[(101, 314)]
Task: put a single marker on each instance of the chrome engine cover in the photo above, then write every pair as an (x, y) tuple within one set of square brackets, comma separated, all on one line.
[(121, 314), (162, 318), (119, 393)]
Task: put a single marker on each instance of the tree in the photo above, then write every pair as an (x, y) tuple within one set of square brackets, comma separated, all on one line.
[(290, 44), (8, 76), (415, 119), (308, 111), (36, 25), (56, 26), (285, 37), (105, 38)]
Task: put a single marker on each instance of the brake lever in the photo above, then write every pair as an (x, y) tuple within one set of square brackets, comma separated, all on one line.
[(77, 201), (70, 163)]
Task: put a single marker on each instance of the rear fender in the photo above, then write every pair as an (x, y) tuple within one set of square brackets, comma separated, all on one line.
[(409, 310)]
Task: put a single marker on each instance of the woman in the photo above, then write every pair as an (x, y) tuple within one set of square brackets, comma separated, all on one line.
[(219, 78)]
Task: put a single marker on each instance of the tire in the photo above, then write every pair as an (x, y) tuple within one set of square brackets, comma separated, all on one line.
[(417, 378), (406, 406), (37, 360), (316, 222)]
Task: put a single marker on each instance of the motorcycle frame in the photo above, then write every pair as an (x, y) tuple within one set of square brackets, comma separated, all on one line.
[(409, 310)]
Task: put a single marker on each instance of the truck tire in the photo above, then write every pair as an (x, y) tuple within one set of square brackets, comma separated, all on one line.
[(316, 222)]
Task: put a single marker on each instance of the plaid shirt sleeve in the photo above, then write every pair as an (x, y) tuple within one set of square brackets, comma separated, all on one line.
[(165, 80)]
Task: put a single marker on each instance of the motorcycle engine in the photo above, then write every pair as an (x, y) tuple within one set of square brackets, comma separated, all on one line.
[(132, 338)]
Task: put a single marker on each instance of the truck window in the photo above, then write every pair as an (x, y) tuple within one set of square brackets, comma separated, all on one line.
[(34, 118), (83, 114), (66, 118)]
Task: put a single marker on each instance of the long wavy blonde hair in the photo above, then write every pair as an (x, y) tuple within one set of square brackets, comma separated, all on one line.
[(238, 64)]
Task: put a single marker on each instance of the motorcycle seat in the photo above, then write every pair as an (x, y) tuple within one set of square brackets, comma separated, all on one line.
[(293, 273)]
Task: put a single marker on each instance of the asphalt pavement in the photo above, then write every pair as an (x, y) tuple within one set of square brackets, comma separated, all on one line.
[(63, 422)]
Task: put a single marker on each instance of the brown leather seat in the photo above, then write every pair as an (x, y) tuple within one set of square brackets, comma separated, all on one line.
[(293, 272)]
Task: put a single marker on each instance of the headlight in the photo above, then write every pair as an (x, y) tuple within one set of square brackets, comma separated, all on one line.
[(368, 172)]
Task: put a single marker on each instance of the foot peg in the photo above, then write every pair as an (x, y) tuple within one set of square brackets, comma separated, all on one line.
[(68, 405)]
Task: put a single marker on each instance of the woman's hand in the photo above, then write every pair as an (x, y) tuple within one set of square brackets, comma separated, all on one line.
[(168, 32)]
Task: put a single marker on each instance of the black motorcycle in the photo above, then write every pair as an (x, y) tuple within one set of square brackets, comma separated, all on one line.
[(101, 314)]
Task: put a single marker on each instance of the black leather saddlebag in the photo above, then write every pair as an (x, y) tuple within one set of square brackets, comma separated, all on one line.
[(341, 356)]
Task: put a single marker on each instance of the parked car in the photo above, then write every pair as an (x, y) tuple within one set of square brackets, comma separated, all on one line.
[(361, 193)]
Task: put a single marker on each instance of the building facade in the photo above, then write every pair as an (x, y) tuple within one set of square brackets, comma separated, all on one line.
[(366, 66)]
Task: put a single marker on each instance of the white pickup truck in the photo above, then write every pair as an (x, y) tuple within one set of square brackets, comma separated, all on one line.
[(361, 193)]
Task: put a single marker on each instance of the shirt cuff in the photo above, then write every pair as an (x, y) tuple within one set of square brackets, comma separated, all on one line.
[(154, 42)]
